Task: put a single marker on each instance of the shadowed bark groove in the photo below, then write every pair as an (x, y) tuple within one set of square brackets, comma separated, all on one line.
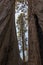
[(40, 36)]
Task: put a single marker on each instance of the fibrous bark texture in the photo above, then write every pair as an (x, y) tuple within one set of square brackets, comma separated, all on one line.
[(9, 53), (35, 32)]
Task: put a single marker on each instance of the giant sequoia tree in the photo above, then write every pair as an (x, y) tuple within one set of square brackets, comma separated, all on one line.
[(34, 51), (9, 53)]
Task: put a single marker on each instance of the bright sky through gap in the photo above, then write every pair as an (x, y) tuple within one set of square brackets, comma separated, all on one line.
[(24, 7)]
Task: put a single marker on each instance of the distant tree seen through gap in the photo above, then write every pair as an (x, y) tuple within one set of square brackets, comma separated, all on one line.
[(21, 21)]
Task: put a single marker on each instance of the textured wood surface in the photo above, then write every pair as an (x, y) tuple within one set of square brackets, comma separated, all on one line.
[(8, 40), (36, 32)]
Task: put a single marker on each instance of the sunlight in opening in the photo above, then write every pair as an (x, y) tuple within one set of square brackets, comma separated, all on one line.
[(21, 20)]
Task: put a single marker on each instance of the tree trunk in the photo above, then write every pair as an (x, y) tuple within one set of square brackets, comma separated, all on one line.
[(23, 46), (34, 54), (23, 39), (9, 52)]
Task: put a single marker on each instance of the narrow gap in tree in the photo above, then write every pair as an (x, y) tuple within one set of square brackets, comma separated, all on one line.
[(21, 20)]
